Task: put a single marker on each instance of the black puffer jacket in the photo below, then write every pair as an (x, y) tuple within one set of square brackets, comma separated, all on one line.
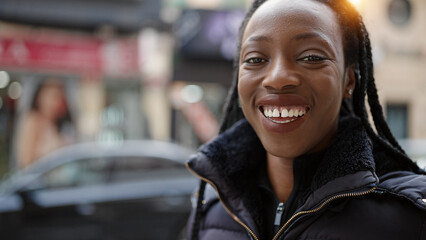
[(344, 198)]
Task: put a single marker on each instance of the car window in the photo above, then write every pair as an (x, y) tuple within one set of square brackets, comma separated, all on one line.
[(137, 168), (82, 172)]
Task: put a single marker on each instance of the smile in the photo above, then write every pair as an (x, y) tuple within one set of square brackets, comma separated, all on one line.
[(283, 114)]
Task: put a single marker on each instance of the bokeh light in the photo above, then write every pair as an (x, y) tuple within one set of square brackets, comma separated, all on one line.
[(4, 79), (15, 90), (192, 93), (356, 3)]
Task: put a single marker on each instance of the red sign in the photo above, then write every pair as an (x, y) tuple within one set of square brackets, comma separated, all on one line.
[(120, 57), (69, 54)]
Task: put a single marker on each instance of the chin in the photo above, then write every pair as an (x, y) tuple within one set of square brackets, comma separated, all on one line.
[(282, 149)]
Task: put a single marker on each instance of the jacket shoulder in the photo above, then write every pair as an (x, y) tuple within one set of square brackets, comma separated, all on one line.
[(408, 185), (214, 222)]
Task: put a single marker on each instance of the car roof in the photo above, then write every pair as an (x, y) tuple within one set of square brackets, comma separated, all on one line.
[(84, 150), (129, 148)]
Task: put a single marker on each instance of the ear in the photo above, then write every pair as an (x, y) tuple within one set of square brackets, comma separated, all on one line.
[(350, 82)]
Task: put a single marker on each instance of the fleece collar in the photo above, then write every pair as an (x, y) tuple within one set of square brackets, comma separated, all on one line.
[(232, 161)]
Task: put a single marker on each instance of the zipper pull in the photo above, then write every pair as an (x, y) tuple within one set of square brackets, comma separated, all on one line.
[(278, 215)]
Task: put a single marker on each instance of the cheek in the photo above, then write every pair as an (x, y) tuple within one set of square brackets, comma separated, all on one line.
[(248, 83), (246, 93), (325, 113), (245, 90), (328, 88), (329, 94)]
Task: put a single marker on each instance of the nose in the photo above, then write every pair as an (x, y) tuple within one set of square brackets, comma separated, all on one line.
[(281, 76)]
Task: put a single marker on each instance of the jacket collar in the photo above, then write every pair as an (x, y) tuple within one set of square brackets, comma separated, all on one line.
[(232, 161)]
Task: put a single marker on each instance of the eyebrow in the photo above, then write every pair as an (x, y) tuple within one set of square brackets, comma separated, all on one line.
[(308, 35), (259, 38), (299, 37)]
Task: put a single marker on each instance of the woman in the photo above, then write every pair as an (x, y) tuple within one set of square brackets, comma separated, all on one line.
[(296, 157), (39, 133)]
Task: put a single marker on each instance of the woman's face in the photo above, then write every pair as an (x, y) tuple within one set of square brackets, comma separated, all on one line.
[(292, 76), (51, 100)]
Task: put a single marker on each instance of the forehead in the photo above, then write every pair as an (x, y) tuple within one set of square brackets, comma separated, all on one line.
[(301, 16)]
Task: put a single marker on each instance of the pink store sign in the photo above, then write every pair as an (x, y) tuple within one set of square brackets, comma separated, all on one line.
[(69, 54)]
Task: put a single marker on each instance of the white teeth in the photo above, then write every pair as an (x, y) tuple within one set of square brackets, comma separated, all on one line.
[(296, 113), (276, 113), (284, 113)]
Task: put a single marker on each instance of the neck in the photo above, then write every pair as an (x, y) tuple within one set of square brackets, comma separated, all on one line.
[(280, 172)]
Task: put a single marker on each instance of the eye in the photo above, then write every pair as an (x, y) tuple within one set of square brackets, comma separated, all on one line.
[(255, 60), (312, 59)]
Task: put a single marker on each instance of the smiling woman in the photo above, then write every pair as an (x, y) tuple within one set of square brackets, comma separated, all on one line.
[(296, 157), (302, 67)]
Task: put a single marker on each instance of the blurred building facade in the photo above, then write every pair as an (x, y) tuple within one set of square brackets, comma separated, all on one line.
[(128, 68), (93, 49)]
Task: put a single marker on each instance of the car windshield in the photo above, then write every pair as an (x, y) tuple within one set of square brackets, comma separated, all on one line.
[(101, 170)]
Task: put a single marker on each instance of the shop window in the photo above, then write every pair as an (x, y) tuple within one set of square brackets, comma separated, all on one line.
[(396, 116), (400, 12)]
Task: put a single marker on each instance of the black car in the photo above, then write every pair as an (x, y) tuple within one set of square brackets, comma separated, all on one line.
[(132, 190)]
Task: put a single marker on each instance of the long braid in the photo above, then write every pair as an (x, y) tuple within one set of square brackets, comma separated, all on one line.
[(373, 100), (361, 88), (231, 109), (366, 85)]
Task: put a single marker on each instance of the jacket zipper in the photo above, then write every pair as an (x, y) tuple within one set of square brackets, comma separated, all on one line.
[(298, 214), (278, 216), (224, 205)]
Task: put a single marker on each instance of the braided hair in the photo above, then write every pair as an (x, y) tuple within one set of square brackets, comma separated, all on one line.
[(357, 51)]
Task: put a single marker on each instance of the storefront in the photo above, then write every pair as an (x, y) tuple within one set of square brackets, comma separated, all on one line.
[(99, 80)]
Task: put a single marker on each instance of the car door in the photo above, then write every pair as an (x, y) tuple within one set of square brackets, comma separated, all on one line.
[(63, 202), (153, 198)]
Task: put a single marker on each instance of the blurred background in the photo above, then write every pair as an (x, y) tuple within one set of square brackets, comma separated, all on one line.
[(109, 72), (134, 69)]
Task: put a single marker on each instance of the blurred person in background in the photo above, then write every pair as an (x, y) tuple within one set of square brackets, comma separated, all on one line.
[(40, 128), (297, 157)]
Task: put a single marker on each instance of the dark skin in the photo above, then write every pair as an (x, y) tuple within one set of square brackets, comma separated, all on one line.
[(293, 50)]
